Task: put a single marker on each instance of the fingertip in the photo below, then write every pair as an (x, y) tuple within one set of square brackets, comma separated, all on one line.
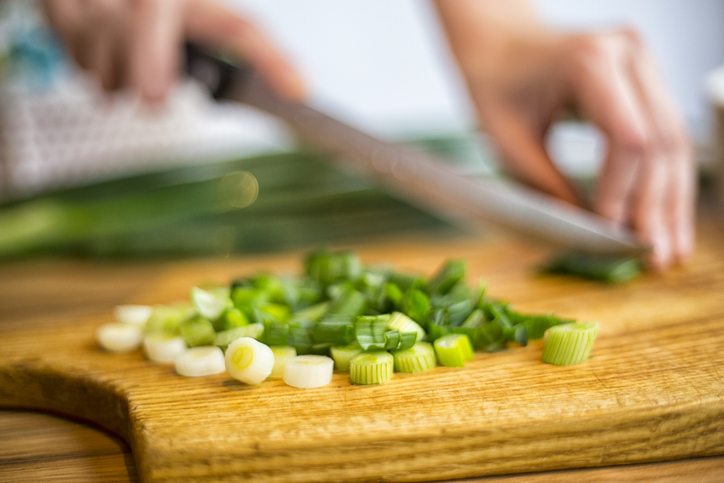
[(684, 245)]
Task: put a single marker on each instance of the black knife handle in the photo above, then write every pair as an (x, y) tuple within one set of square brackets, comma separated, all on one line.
[(217, 74)]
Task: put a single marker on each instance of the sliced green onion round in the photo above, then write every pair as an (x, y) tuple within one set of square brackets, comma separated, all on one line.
[(418, 358), (569, 343), (133, 314), (371, 367), (282, 355), (403, 323), (200, 361), (453, 350), (249, 361), (342, 355), (210, 303), (167, 318), (308, 371), (163, 346), (118, 337), (197, 332)]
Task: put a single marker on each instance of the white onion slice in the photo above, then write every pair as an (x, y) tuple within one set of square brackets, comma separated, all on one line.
[(282, 355), (163, 346), (133, 314), (248, 360), (200, 361), (118, 337), (309, 371)]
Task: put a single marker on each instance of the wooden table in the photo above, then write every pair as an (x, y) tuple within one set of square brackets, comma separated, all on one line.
[(39, 447)]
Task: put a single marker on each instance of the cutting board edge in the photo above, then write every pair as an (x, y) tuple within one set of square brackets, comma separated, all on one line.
[(665, 433)]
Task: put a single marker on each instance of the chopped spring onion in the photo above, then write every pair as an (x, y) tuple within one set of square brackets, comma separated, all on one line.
[(452, 272), (249, 361), (231, 318), (166, 318), (453, 350), (163, 346), (343, 354), (418, 358), (569, 343), (327, 268), (372, 334), (118, 337), (371, 367), (282, 355), (393, 294), (309, 371), (197, 332), (226, 337), (603, 268), (133, 314), (416, 305), (314, 312), (401, 322), (200, 361), (275, 332), (350, 303), (335, 330), (210, 303)]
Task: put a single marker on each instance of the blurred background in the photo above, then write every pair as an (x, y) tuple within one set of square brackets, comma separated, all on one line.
[(85, 174)]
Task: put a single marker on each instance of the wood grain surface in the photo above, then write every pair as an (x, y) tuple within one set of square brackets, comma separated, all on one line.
[(41, 448), (652, 391)]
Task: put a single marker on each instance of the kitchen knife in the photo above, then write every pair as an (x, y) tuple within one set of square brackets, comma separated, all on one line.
[(421, 178)]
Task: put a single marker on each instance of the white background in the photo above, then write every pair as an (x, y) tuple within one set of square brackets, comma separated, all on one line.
[(384, 65)]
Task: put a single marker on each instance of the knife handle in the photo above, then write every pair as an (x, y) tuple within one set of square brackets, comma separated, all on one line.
[(214, 72)]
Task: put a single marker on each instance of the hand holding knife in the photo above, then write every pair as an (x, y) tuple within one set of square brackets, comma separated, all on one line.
[(421, 178)]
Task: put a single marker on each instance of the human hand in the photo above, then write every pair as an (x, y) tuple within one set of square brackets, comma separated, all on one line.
[(137, 43), (522, 76)]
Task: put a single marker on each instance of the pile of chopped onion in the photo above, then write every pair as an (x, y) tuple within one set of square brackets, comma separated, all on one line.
[(370, 322)]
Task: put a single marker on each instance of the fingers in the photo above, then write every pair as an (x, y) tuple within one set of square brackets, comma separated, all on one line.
[(646, 181), (523, 151), (674, 149), (155, 36), (210, 23)]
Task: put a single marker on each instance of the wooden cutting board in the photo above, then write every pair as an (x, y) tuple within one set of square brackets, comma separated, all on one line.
[(653, 389)]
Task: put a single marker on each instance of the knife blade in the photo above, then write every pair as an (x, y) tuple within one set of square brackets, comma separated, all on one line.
[(421, 178)]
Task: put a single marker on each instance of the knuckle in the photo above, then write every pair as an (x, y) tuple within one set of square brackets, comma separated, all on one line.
[(634, 141)]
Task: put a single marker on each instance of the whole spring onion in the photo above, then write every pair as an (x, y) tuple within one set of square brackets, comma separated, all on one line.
[(200, 361), (308, 371), (342, 355), (249, 361), (119, 337), (569, 344), (453, 350), (282, 355), (371, 367), (418, 358), (163, 346)]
